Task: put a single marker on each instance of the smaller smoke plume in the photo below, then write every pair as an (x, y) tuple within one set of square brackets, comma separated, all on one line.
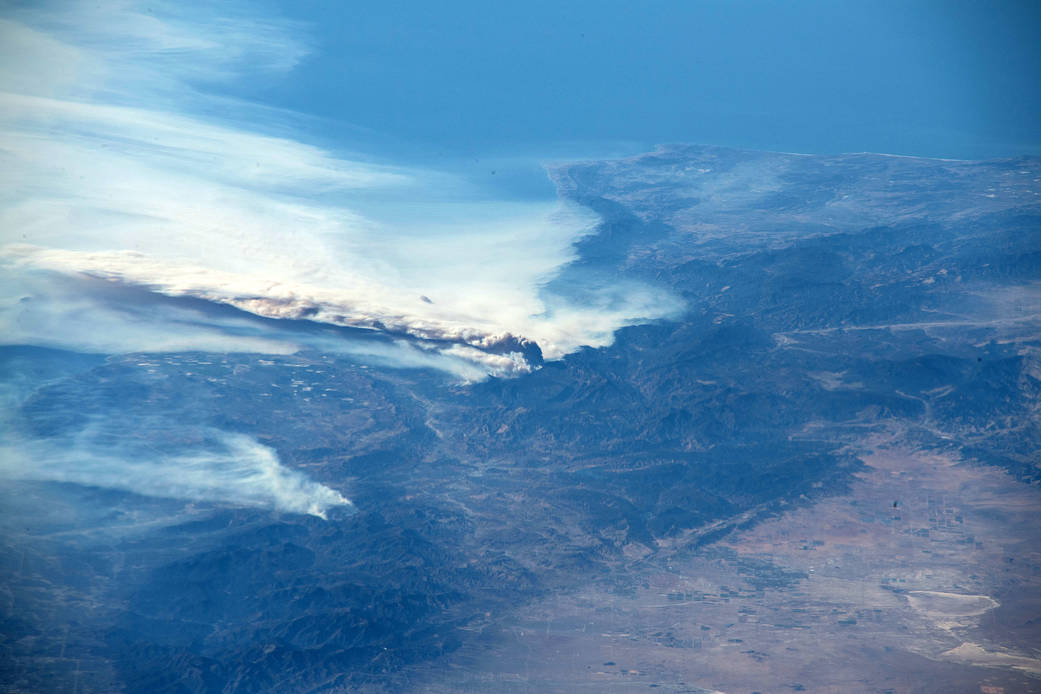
[(224, 468)]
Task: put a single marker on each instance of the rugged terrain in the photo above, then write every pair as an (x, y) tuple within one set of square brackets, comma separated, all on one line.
[(820, 475)]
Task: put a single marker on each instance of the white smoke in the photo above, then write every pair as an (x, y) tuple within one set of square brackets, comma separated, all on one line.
[(235, 470), (87, 315), (114, 173)]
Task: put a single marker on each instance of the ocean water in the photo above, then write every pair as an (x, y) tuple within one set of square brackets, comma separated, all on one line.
[(488, 88)]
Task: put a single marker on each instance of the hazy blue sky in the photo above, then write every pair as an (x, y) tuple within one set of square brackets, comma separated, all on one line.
[(942, 78)]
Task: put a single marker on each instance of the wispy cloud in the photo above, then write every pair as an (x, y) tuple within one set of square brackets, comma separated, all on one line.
[(114, 173), (133, 50)]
